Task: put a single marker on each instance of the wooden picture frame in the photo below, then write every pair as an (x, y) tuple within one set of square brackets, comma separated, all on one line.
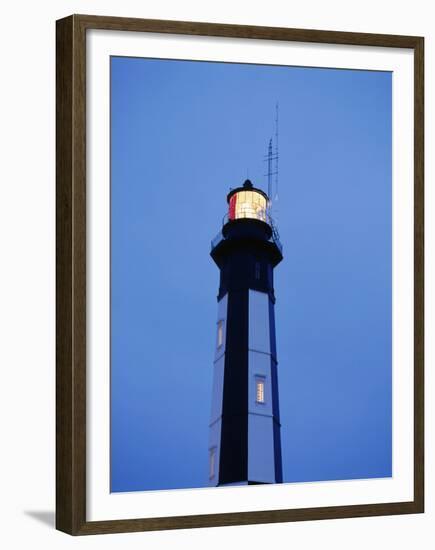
[(71, 224)]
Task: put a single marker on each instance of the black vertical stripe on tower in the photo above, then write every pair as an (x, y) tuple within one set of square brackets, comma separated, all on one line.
[(233, 463), (272, 334), (275, 397), (277, 451)]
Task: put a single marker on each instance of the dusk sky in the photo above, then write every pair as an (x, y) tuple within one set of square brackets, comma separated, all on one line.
[(183, 133)]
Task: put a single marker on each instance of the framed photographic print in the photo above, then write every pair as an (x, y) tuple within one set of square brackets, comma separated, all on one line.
[(239, 275)]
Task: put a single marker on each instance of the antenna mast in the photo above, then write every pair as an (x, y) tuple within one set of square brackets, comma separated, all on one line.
[(269, 170), (273, 170), (275, 198)]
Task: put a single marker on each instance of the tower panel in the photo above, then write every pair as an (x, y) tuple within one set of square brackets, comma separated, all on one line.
[(261, 449), (263, 425), (217, 396)]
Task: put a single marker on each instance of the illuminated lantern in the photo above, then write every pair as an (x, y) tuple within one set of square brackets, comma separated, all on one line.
[(247, 202)]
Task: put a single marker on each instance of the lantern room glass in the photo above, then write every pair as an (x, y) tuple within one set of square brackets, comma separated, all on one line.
[(248, 204)]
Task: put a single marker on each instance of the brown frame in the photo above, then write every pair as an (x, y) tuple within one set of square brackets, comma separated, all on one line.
[(71, 274)]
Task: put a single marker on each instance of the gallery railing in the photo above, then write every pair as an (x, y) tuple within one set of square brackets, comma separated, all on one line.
[(265, 217)]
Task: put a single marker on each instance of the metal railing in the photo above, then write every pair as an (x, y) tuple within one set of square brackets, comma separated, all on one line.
[(264, 217)]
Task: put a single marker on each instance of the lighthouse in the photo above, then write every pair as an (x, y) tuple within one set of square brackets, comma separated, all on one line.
[(244, 437)]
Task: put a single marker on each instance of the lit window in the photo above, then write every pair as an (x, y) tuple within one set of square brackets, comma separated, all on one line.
[(212, 462), (220, 334), (259, 392)]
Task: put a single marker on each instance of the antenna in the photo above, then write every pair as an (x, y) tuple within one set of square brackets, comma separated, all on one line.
[(275, 199), (272, 170), (269, 169)]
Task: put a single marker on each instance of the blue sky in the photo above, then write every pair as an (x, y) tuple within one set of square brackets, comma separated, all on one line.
[(182, 134)]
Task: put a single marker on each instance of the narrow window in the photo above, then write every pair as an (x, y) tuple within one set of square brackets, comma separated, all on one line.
[(220, 333), (257, 270), (212, 462), (259, 390)]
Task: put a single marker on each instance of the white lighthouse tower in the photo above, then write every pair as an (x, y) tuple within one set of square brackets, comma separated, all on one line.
[(245, 441)]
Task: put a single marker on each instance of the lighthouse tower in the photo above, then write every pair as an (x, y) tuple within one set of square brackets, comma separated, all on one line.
[(245, 442)]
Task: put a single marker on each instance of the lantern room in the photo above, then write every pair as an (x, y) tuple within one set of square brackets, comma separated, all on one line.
[(247, 202)]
